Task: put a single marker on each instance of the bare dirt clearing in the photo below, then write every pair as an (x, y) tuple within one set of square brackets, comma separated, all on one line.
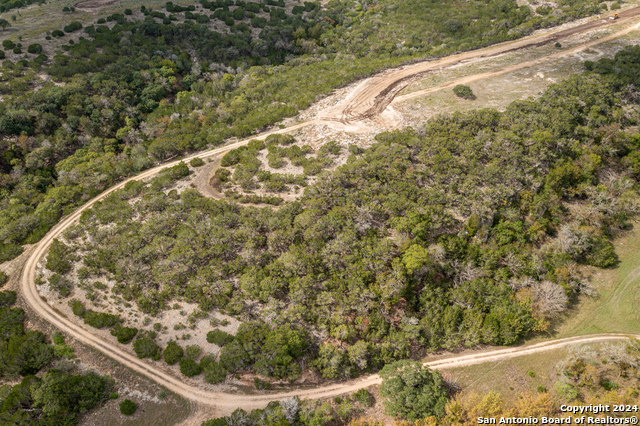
[(372, 96), (95, 4)]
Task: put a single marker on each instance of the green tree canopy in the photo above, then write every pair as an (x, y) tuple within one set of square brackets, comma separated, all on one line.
[(412, 391)]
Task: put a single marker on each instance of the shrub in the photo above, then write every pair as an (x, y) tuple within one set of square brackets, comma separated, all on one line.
[(7, 298), (57, 33), (214, 373), (17, 51), (100, 319), (77, 307), (543, 10), (127, 407), (172, 353), (34, 48), (189, 367), (74, 26), (541, 389), (464, 92), (3, 278), (60, 284), (128, 11), (193, 351), (229, 21), (58, 258), (567, 390), (219, 337), (146, 347), (8, 44), (232, 157), (126, 334), (363, 397), (196, 162), (531, 373), (412, 391), (57, 337), (2, 56)]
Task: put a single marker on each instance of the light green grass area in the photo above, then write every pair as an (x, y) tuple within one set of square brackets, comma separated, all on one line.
[(540, 372), (616, 308), (33, 22), (510, 377), (501, 90)]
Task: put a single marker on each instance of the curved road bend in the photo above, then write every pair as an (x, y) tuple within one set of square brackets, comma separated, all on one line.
[(227, 402)]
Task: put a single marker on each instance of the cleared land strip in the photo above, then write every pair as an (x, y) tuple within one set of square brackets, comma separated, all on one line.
[(510, 68), (228, 402), (374, 94)]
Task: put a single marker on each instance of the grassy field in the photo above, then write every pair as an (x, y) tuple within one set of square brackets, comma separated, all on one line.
[(616, 308), (510, 377), (539, 372)]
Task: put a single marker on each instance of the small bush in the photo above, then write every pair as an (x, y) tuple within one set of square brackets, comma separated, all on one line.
[(128, 11), (531, 373), (543, 10), (57, 33), (233, 157), (464, 92), (113, 395), (74, 26), (172, 353), (214, 373), (541, 389), (7, 298), (127, 407), (3, 277), (34, 48), (77, 307), (57, 337), (58, 258), (189, 367), (146, 347), (126, 334), (193, 351), (100, 319), (609, 385), (196, 162), (219, 337), (363, 397)]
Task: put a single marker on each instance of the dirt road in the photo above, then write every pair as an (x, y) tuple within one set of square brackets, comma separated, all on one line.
[(369, 98), (373, 95), (226, 403)]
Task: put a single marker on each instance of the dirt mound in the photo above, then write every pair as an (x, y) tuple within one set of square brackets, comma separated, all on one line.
[(94, 4)]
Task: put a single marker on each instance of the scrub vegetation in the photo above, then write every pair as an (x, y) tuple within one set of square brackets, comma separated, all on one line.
[(229, 69), (49, 388), (409, 247)]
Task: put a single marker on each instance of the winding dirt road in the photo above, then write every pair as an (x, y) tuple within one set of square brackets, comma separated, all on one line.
[(373, 95), (367, 100)]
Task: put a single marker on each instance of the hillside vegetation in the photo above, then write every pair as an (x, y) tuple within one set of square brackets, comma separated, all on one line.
[(143, 86), (467, 231), (59, 393)]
